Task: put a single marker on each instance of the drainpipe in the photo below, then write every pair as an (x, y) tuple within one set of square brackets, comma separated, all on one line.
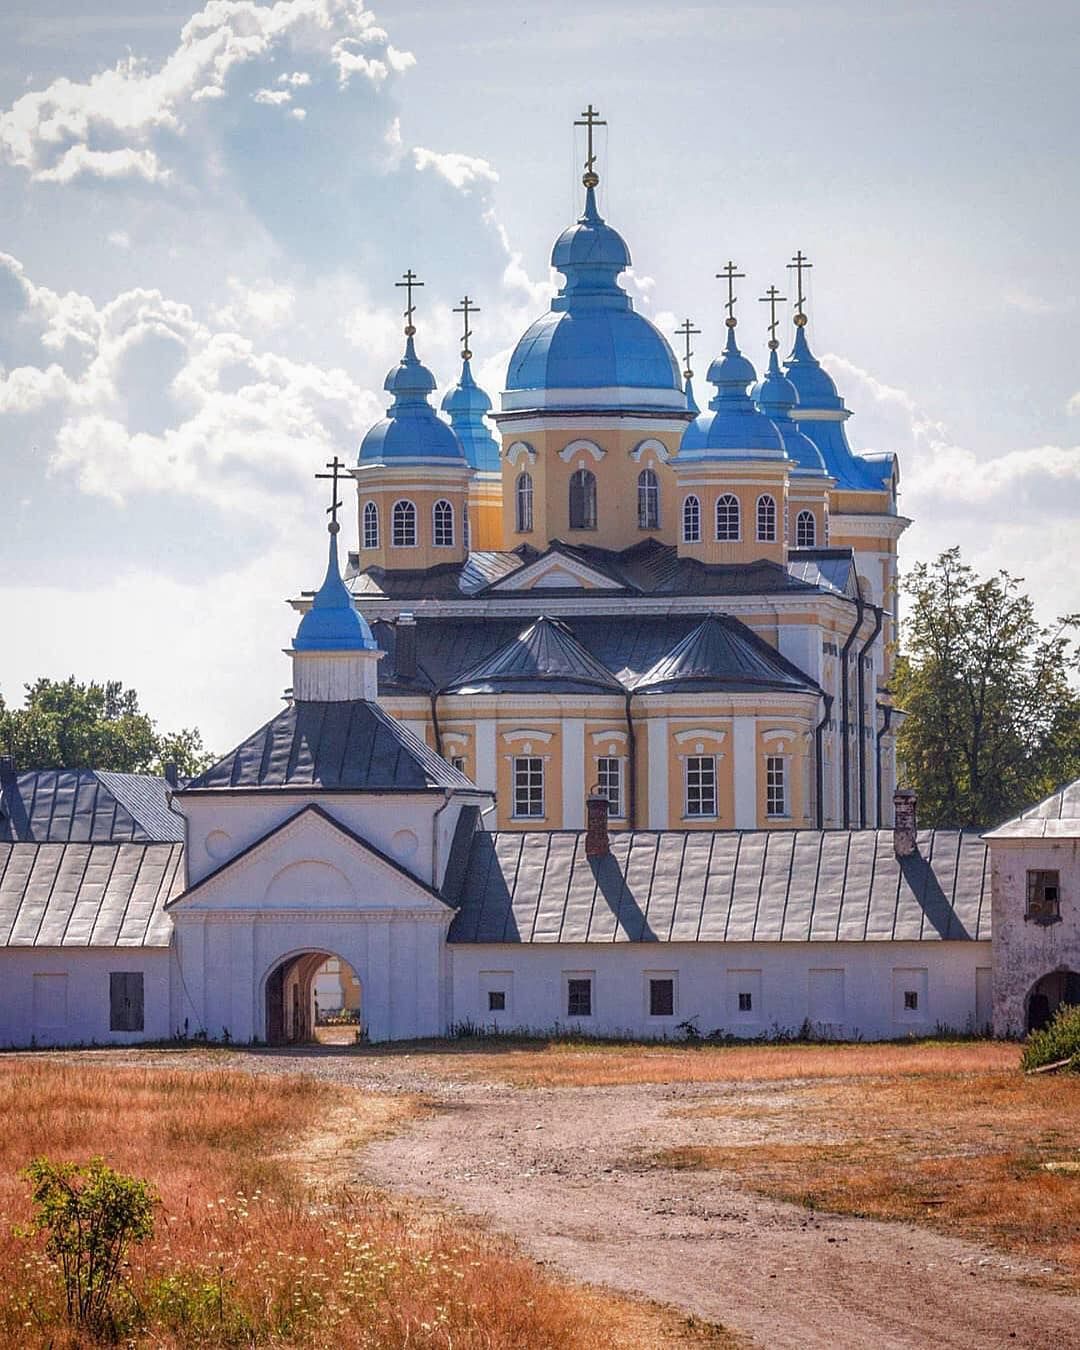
[(631, 766), (879, 615), (435, 722), (886, 710), (819, 759), (448, 794), (845, 741)]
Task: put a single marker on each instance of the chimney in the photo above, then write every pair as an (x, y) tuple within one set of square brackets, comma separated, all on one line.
[(597, 844), (904, 822), (171, 775), (7, 766), (405, 645)]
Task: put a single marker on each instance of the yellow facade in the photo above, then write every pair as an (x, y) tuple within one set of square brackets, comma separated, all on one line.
[(485, 511), (433, 500), (750, 483)]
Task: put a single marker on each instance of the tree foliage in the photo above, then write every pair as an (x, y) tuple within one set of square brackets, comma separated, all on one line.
[(993, 715), (64, 724)]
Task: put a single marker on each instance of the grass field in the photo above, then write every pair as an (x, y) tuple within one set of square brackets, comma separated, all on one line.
[(260, 1239)]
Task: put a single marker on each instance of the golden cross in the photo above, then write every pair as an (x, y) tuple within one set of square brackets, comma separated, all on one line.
[(410, 283), (772, 298), (686, 332), (730, 276), (591, 118), (799, 265), (466, 308), (334, 466)]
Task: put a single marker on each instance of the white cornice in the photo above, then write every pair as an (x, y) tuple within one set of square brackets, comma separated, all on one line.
[(868, 526), (600, 421), (614, 396)]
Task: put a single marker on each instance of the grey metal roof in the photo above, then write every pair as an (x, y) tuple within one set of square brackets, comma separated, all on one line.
[(87, 895), (348, 746), (831, 569), (1058, 817), (544, 656), (723, 654), (725, 886), (62, 805)]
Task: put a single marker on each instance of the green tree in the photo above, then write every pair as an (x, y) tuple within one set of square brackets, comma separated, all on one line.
[(993, 716), (64, 724)]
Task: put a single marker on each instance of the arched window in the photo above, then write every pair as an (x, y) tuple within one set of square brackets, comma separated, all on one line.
[(404, 531), (727, 517), (691, 520), (583, 500), (371, 525), (648, 500), (442, 524), (805, 530), (524, 499), (766, 519)]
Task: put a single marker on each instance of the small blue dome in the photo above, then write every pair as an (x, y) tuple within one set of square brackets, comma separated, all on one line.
[(411, 429), (776, 396), (691, 401), (591, 242), (733, 428), (467, 404), (812, 383), (332, 624)]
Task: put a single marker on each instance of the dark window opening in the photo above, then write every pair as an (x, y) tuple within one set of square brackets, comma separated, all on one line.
[(746, 1002), (496, 1000), (582, 500), (579, 998), (1043, 896), (125, 1000), (911, 1000), (661, 998)]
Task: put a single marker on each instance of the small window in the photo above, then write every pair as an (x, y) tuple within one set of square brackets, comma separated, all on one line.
[(579, 998), (528, 785), (746, 1001), (691, 520), (125, 1000), (404, 530), (371, 525), (458, 762), (662, 997), (582, 500), (442, 524), (524, 498), (911, 1000), (805, 530), (766, 520), (701, 785), (496, 1000), (648, 500), (775, 786), (1043, 897), (609, 781), (466, 528), (727, 517)]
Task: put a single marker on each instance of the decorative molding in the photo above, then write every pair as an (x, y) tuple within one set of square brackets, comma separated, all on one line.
[(702, 734), (779, 734), (868, 526), (455, 737), (514, 452), (658, 448), (526, 735), (530, 576), (567, 453), (599, 737)]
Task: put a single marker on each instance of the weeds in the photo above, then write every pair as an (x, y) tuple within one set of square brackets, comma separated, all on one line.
[(1054, 1043)]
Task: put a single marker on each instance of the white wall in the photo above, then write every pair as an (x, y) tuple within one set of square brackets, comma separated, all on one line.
[(856, 988)]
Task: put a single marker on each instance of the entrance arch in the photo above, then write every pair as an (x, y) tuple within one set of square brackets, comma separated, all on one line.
[(303, 990), (1048, 994)]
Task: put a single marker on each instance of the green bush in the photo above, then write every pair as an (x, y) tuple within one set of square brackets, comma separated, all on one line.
[(90, 1216), (1060, 1040)]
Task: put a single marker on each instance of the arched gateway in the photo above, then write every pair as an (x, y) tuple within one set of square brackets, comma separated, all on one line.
[(1048, 994), (304, 987)]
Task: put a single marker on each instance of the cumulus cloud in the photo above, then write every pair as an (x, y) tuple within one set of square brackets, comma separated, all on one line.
[(461, 171)]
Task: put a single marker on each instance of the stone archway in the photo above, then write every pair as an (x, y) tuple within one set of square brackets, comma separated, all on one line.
[(293, 989), (1048, 994)]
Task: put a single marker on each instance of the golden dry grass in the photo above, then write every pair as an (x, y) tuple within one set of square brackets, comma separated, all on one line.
[(986, 1155), (259, 1238)]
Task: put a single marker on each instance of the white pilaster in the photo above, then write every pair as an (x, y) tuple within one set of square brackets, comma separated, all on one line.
[(744, 751), (486, 763), (573, 773), (658, 773)]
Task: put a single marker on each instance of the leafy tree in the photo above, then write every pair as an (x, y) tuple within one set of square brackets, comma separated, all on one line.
[(65, 724), (993, 718)]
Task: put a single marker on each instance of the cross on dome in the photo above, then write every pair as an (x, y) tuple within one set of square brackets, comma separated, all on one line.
[(410, 283), (730, 275), (686, 332), (799, 264), (465, 309), (335, 505), (591, 119), (772, 298)]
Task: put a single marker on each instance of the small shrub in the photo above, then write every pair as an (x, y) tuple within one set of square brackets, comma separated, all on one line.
[(1060, 1040), (90, 1215)]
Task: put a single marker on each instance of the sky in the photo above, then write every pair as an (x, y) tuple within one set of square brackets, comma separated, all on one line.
[(203, 212)]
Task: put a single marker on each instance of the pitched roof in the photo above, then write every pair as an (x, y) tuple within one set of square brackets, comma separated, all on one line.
[(87, 894), (348, 747), (722, 654), (1058, 817), (727, 886), (88, 805), (543, 657)]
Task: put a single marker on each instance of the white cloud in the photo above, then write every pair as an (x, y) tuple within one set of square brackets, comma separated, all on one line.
[(298, 78), (261, 304), (461, 171), (79, 162), (299, 113), (273, 96)]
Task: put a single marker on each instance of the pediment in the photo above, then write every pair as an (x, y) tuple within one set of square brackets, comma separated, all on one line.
[(556, 570), (311, 863)]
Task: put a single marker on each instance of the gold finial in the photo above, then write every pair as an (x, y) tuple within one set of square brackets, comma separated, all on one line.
[(799, 265), (410, 283), (772, 298), (591, 118), (730, 276), (686, 332), (335, 506), (466, 308)]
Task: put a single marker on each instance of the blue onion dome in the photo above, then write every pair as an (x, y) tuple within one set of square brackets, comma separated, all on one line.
[(592, 338), (411, 429), (332, 624), (733, 428), (466, 405), (776, 396), (812, 382), (691, 401)]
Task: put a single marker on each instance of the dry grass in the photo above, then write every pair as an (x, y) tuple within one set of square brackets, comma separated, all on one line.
[(253, 1249), (985, 1155)]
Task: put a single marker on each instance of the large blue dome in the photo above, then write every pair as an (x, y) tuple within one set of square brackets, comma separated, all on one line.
[(411, 429)]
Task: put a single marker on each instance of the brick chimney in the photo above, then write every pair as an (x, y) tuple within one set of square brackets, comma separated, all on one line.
[(172, 776), (597, 844), (905, 822), (405, 645)]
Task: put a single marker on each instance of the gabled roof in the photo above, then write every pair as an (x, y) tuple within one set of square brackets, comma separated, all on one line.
[(544, 657), (727, 886), (346, 747), (722, 654), (1058, 817), (87, 805)]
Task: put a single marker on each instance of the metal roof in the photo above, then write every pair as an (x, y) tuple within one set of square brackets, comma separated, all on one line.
[(723, 654), (87, 895), (544, 655), (349, 746), (85, 805), (1058, 817), (725, 886)]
